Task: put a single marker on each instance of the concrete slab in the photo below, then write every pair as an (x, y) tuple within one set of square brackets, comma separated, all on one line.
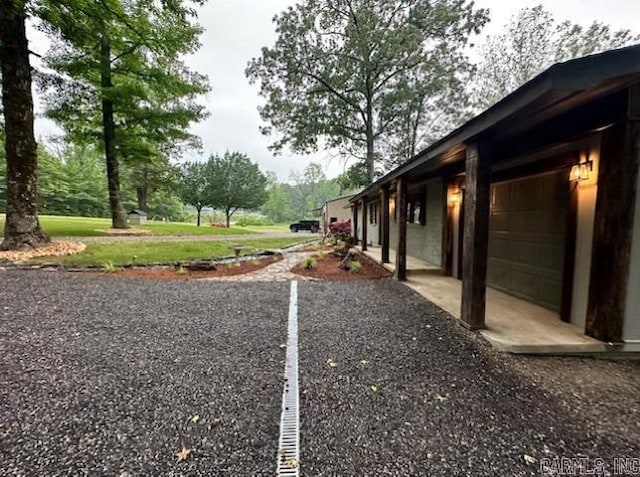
[(513, 325), (414, 265)]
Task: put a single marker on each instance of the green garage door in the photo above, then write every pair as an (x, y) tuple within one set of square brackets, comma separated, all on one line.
[(527, 237)]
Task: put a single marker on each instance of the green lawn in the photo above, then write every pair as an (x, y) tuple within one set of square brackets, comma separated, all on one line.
[(59, 226), (148, 252)]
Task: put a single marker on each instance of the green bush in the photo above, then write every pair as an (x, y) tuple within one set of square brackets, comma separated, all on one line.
[(252, 220), (355, 266), (308, 263)]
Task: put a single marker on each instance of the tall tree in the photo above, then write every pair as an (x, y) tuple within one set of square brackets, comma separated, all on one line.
[(234, 182), (194, 186), (337, 66), (22, 228), (127, 88), (531, 42)]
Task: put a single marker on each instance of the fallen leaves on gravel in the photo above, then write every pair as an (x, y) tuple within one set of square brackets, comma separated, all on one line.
[(373, 388), (292, 463), (51, 249), (183, 454), (195, 418), (441, 398), (364, 362), (529, 459), (331, 363)]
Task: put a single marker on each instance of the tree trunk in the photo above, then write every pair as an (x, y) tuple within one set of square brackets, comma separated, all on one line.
[(141, 192), (118, 218), (22, 228), (199, 209), (370, 160), (229, 214)]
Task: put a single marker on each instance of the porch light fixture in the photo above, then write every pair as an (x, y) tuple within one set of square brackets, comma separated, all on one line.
[(581, 171), (454, 196)]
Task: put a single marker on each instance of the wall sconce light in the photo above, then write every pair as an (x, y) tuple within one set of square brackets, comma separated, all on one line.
[(454, 196), (392, 206), (581, 171)]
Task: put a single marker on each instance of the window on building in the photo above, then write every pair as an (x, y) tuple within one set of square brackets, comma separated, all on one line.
[(373, 213), (333, 219), (417, 210)]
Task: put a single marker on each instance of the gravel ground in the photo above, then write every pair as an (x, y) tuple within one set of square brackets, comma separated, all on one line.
[(444, 404), (101, 376)]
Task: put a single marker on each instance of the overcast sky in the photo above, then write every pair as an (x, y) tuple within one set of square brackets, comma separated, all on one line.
[(236, 30)]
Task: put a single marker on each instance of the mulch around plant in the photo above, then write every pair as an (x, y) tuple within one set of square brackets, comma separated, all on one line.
[(222, 270), (328, 269)]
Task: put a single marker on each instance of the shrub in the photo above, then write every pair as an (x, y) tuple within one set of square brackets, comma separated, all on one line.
[(355, 266), (109, 267), (249, 220), (181, 270), (341, 230), (308, 263)]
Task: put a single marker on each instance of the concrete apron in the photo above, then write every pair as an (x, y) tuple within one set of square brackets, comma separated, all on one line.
[(512, 325)]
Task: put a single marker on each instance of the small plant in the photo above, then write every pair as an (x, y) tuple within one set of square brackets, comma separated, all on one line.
[(181, 270), (308, 263), (318, 256), (109, 267), (355, 266)]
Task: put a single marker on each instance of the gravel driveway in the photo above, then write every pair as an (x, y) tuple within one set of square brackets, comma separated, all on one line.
[(101, 376)]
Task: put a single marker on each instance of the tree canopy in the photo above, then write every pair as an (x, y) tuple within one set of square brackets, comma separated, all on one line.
[(531, 42), (120, 82), (342, 71), (234, 182)]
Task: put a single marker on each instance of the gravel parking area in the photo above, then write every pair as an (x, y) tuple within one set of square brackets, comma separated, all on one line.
[(409, 392), (108, 376), (102, 376)]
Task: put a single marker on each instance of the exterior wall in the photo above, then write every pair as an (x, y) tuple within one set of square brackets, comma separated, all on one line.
[(631, 331), (338, 208), (587, 193), (425, 242)]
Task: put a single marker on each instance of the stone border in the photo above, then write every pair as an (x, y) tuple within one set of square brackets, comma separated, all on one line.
[(7, 265)]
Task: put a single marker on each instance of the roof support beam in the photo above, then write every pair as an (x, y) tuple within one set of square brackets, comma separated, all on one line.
[(613, 227), (385, 195), (401, 210), (365, 223), (476, 235)]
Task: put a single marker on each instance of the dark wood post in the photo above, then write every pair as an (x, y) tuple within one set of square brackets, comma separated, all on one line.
[(476, 235), (354, 208), (401, 249), (364, 223), (385, 224), (613, 226)]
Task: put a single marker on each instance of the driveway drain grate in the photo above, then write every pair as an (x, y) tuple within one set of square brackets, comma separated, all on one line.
[(289, 448)]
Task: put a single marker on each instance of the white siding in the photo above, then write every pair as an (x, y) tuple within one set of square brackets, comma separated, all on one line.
[(631, 331)]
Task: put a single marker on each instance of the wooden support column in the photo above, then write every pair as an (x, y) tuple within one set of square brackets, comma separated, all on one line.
[(355, 223), (385, 224), (365, 224), (613, 226), (476, 236), (401, 249)]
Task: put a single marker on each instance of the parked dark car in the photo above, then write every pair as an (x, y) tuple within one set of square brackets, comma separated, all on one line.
[(311, 225)]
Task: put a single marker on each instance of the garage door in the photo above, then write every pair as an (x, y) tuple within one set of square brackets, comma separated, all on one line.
[(527, 237)]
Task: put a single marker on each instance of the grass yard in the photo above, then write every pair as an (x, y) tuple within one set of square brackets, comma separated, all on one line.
[(62, 226), (149, 252)]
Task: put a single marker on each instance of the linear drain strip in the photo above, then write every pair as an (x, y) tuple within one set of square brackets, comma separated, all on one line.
[(289, 448)]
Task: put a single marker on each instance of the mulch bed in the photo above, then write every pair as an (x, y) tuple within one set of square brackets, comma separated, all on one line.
[(328, 269), (56, 248), (223, 270)]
